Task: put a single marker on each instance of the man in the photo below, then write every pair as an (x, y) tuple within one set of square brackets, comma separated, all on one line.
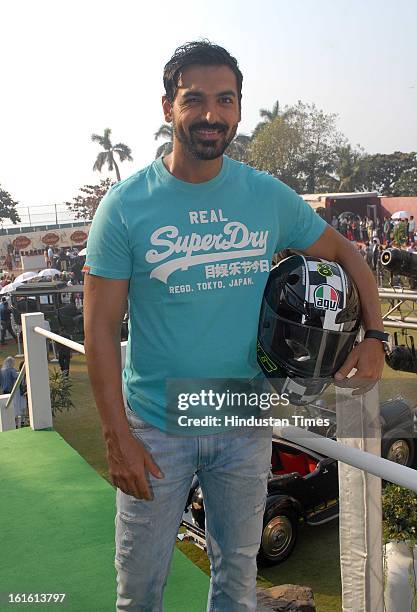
[(411, 228), (188, 241), (64, 354), (5, 320), (50, 257)]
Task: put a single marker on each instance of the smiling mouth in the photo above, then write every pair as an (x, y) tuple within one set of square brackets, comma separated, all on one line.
[(208, 134)]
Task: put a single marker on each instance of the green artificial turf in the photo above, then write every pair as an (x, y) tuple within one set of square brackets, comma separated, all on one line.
[(57, 530)]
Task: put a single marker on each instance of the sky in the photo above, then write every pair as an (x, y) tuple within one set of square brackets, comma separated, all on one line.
[(69, 70)]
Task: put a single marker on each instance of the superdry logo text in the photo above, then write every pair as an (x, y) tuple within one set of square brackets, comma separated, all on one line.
[(235, 241)]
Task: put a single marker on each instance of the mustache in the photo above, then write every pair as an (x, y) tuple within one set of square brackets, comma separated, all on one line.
[(209, 126)]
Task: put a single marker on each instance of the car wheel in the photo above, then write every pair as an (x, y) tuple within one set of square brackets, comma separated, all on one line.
[(279, 535), (398, 449)]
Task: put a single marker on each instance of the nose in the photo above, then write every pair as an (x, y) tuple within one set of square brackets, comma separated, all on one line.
[(209, 112)]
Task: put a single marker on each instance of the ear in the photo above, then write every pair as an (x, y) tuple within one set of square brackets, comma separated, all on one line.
[(167, 108)]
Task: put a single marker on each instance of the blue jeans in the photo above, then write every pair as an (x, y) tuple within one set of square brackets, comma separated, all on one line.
[(232, 468)]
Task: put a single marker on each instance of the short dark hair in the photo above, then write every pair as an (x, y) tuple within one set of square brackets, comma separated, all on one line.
[(198, 52)]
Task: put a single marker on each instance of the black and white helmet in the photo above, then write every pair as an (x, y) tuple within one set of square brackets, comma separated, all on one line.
[(310, 317)]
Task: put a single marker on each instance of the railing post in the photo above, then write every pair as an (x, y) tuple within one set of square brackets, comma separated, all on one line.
[(37, 375), (7, 421), (360, 523)]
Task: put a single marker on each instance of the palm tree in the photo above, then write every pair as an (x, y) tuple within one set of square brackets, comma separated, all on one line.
[(268, 116), (108, 155), (165, 131), (239, 147)]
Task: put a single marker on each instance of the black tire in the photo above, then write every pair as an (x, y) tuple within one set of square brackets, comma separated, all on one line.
[(399, 447), (279, 534)]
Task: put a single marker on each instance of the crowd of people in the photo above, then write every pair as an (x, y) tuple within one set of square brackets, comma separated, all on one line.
[(388, 232)]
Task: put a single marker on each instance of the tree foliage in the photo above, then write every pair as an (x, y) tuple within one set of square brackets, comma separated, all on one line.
[(349, 173), (60, 392), (267, 116), (107, 157), (277, 149), (298, 146), (382, 171), (406, 184), (164, 131), (86, 203), (239, 148), (8, 207)]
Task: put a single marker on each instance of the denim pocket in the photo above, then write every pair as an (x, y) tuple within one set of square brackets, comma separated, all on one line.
[(135, 421)]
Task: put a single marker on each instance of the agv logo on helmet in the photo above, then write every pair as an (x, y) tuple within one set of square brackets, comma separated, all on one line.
[(326, 297)]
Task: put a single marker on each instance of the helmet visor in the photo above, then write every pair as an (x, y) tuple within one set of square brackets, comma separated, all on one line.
[(307, 352)]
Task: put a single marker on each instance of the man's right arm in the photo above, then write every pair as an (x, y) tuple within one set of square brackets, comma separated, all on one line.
[(104, 308)]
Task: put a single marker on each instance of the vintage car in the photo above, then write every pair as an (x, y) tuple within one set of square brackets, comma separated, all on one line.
[(60, 303), (398, 421), (302, 486)]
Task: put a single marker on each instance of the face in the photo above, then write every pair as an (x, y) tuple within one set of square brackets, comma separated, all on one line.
[(205, 113)]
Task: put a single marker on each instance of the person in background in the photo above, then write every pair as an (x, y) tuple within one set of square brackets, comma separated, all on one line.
[(335, 223), (378, 229), (50, 256), (20, 401), (370, 227), (5, 320), (9, 374), (364, 232), (411, 229), (386, 230), (375, 252), (64, 354), (8, 262), (349, 229)]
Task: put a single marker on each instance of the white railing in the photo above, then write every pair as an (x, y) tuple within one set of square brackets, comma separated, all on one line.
[(360, 471), (363, 460), (37, 373)]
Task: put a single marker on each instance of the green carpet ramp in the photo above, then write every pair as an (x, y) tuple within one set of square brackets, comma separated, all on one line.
[(57, 530)]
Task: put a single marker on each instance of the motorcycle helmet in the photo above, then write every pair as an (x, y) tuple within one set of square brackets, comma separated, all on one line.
[(309, 320)]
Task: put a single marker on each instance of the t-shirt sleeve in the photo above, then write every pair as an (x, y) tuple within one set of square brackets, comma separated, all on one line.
[(108, 251), (299, 226)]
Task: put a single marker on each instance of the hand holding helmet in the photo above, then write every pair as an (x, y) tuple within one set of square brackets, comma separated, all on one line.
[(310, 317)]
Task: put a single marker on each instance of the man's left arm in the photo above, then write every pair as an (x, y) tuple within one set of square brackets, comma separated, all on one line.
[(368, 356)]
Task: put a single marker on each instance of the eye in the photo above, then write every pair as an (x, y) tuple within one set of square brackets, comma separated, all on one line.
[(226, 100), (191, 100)]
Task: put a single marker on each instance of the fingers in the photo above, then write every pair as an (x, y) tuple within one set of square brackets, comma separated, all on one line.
[(152, 467), (136, 486), (130, 469), (347, 367)]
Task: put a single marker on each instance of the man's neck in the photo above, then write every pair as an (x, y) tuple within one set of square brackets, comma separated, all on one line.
[(187, 168)]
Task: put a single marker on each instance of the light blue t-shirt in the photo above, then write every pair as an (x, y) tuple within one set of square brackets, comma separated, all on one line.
[(198, 257)]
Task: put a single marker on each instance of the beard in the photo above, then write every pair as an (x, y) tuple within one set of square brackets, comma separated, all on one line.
[(204, 149)]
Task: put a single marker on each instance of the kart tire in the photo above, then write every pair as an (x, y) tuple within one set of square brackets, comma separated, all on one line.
[(279, 534), (399, 447)]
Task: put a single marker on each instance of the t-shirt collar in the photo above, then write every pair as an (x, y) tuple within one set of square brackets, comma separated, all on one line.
[(172, 181)]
